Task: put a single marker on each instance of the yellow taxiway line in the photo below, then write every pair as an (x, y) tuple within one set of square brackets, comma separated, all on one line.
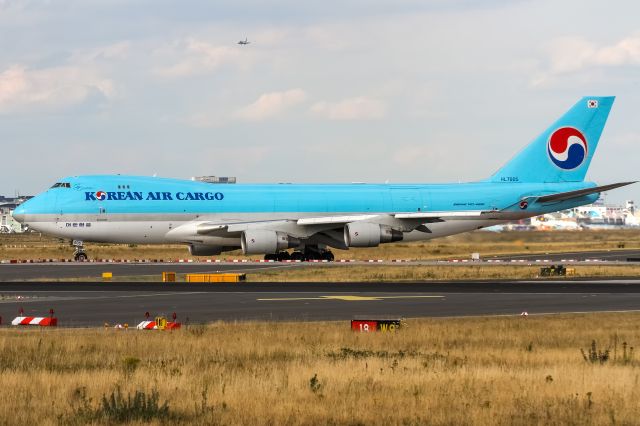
[(349, 298)]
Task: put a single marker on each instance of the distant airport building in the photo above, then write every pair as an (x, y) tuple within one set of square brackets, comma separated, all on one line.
[(560, 221), (7, 224), (631, 207), (214, 179), (598, 215)]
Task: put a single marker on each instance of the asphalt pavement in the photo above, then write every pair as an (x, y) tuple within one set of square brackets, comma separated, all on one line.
[(61, 271), (93, 304)]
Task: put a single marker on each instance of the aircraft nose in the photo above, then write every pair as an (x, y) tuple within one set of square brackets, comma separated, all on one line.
[(19, 214)]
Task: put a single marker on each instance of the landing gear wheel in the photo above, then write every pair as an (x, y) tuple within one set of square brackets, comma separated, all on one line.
[(283, 255), (297, 255), (328, 256), (80, 257), (271, 256)]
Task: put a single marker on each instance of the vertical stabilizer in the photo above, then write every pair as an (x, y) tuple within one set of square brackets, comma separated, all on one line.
[(563, 152)]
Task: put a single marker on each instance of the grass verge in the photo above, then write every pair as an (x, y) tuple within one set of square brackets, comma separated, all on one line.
[(480, 371), (332, 273), (36, 246), (381, 273)]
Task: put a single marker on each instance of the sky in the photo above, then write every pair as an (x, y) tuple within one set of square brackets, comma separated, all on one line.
[(332, 91)]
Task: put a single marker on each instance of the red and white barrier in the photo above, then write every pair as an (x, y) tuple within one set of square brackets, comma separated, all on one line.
[(41, 321), (230, 260), (152, 325), (147, 325)]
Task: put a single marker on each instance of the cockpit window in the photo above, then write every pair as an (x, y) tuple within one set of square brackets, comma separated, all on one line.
[(62, 185)]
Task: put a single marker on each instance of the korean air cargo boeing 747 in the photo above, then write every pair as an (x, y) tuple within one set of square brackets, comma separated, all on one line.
[(546, 176)]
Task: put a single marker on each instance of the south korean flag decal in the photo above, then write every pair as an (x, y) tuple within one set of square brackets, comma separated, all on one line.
[(592, 103)]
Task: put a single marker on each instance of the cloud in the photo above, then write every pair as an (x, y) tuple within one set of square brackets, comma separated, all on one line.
[(359, 108), (626, 51), (119, 50), (199, 57), (270, 105), (22, 88), (571, 55)]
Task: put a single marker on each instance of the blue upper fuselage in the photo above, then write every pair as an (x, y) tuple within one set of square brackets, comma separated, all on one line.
[(118, 194)]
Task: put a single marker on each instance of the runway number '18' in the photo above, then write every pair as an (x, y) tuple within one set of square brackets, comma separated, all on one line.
[(368, 326), (364, 326)]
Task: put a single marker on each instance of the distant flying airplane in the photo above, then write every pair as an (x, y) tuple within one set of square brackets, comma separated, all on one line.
[(244, 42), (547, 176)]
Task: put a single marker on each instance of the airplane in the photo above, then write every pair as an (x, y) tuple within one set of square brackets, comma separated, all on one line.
[(244, 42), (269, 219)]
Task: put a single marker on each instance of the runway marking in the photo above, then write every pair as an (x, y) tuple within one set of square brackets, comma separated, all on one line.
[(348, 298)]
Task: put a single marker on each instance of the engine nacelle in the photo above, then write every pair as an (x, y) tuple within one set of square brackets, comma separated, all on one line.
[(362, 234), (204, 250), (262, 241)]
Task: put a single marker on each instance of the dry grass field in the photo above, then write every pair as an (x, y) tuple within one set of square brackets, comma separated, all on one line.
[(466, 371), (35, 246), (429, 273), (404, 273)]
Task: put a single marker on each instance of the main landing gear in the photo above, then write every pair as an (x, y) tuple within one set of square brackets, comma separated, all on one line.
[(79, 255), (278, 257), (308, 253)]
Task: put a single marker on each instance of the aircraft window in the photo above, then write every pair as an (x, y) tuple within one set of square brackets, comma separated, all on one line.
[(61, 185)]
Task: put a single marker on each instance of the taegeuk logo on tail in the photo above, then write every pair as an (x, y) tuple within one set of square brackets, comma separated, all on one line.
[(567, 148)]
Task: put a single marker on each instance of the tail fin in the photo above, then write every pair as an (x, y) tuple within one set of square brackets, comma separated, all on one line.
[(563, 152)]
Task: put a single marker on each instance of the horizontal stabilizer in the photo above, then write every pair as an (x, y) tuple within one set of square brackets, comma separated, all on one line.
[(562, 196)]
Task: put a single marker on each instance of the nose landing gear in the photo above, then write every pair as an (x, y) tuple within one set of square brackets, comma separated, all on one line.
[(79, 255)]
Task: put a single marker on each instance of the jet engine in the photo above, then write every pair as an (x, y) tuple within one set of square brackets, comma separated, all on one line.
[(362, 234), (204, 250), (262, 241)]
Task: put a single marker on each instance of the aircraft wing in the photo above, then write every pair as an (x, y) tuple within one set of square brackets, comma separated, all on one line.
[(330, 220), (299, 227), (212, 228), (562, 196), (427, 216), (444, 216), (309, 225)]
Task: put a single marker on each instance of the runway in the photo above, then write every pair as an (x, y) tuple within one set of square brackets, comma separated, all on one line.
[(578, 256), (93, 304)]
